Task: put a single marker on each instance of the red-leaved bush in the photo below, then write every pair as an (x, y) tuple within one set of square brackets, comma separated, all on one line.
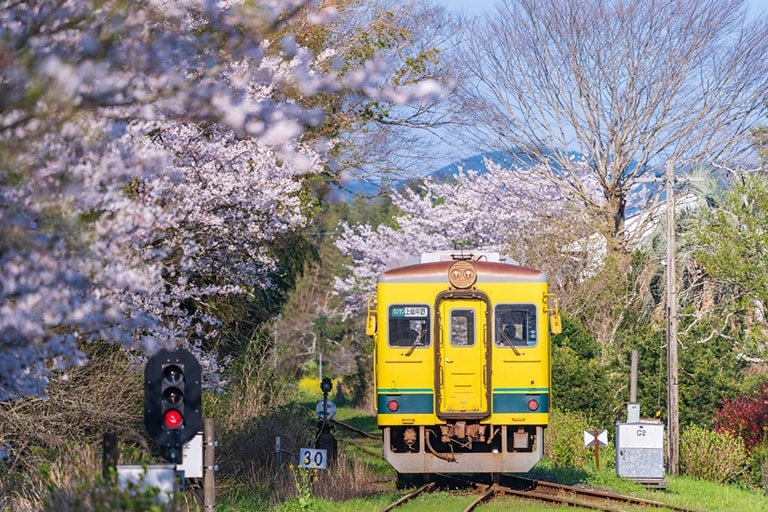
[(746, 417)]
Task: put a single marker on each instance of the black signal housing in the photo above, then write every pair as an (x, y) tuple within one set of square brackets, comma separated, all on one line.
[(172, 397)]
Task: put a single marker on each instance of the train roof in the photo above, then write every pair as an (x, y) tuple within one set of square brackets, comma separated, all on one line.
[(473, 255), (433, 267)]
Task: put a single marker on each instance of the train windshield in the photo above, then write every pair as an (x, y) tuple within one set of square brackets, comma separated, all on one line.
[(409, 326), (515, 325)]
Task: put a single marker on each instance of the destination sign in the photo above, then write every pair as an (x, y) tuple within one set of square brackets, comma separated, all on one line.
[(408, 311)]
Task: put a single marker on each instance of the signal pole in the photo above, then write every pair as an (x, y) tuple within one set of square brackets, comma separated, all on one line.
[(673, 421)]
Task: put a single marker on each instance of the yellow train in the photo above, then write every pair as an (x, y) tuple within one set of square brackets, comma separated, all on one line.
[(462, 363)]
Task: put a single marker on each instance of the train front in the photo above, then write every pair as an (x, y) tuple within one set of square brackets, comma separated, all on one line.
[(462, 364)]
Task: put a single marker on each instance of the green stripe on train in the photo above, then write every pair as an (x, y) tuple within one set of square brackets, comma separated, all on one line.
[(423, 403)]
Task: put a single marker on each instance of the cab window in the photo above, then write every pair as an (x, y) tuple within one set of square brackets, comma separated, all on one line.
[(515, 325), (409, 325)]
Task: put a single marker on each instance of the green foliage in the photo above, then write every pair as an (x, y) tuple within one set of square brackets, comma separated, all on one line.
[(757, 472), (638, 334), (711, 455), (374, 212), (244, 316), (312, 319), (760, 138), (304, 479), (563, 440), (94, 495), (360, 382), (733, 236), (703, 378), (576, 337), (708, 373), (598, 302), (580, 383), (68, 477)]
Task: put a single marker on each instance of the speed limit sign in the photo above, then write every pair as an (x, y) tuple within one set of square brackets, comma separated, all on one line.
[(313, 458)]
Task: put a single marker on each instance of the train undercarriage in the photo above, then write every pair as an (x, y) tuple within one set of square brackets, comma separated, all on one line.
[(463, 447)]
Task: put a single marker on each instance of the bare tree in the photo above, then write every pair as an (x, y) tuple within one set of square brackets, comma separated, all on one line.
[(627, 84)]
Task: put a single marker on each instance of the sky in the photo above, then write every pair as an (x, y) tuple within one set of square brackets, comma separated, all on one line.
[(754, 7), (477, 7)]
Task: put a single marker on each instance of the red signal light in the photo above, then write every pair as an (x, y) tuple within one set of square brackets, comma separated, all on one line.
[(533, 404), (393, 405), (173, 418)]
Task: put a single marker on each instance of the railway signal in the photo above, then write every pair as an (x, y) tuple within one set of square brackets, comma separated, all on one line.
[(172, 399), (325, 442)]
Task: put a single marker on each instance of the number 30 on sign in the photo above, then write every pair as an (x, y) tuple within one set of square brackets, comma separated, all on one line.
[(312, 458)]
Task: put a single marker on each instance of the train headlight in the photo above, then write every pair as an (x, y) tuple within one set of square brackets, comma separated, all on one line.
[(393, 405), (533, 404)]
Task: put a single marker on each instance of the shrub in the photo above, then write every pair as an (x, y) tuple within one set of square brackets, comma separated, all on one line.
[(746, 417), (45, 440), (563, 440), (712, 455), (758, 467), (69, 478)]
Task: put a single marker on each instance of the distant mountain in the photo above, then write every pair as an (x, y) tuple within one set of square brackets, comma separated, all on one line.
[(476, 163), (505, 159), (352, 189), (473, 163)]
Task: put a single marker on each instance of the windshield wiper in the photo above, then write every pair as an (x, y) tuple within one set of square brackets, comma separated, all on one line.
[(415, 342), (507, 341)]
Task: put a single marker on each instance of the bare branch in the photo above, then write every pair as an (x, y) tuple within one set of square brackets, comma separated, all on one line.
[(626, 84)]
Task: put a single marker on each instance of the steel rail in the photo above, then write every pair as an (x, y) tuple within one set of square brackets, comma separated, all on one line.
[(424, 488)]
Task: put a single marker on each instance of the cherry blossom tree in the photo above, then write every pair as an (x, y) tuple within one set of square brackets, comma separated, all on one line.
[(378, 141), (149, 153), (502, 210)]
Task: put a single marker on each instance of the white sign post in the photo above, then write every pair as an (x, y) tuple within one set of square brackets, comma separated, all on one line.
[(313, 458), (596, 438)]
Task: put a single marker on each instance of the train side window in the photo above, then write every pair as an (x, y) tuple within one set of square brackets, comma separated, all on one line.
[(462, 328), (408, 325), (515, 324)]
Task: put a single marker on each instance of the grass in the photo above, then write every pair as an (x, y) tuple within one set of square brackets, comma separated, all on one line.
[(362, 481), (375, 483), (681, 491), (711, 496)]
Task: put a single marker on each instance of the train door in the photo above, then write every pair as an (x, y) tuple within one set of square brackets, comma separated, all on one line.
[(462, 355)]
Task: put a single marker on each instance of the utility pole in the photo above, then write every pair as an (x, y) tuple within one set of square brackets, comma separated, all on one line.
[(673, 420)]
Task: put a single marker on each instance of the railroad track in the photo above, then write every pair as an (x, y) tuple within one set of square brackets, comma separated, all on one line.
[(548, 492), (573, 495), (514, 485), (428, 487)]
